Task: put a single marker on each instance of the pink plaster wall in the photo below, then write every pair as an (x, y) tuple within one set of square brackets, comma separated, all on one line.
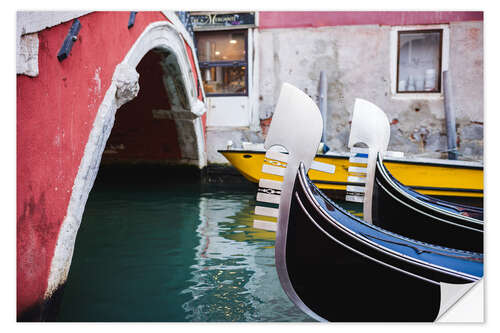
[(270, 20)]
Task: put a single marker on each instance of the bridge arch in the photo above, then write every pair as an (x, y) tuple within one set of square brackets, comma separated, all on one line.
[(186, 112)]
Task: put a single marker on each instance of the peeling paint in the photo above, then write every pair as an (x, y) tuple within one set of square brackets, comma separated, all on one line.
[(97, 79)]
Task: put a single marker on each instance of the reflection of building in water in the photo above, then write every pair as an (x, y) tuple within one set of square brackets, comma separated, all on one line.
[(234, 280)]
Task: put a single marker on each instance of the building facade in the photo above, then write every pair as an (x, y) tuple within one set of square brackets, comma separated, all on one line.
[(226, 44), (393, 59)]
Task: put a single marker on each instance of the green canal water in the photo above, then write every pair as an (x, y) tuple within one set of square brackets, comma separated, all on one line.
[(154, 248)]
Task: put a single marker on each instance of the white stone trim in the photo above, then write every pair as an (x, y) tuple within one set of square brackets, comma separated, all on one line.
[(174, 19), (172, 16), (34, 21), (201, 144), (27, 55), (124, 87), (31, 22), (254, 76)]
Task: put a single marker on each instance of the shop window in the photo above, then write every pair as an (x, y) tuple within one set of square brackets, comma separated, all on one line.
[(223, 62), (419, 61)]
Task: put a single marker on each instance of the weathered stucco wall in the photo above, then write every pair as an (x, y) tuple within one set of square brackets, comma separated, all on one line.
[(218, 139), (466, 66), (357, 61)]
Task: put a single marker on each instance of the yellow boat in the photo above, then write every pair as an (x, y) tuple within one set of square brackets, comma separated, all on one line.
[(436, 177)]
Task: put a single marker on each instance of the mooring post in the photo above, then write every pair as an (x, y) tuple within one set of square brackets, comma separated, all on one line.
[(322, 106), (449, 110)]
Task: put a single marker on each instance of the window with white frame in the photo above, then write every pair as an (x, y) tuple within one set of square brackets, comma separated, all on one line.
[(419, 56), (419, 61), (223, 62)]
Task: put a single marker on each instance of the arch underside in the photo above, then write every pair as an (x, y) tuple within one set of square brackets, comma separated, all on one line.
[(157, 126)]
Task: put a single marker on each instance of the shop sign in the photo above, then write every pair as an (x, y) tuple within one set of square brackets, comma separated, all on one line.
[(216, 21)]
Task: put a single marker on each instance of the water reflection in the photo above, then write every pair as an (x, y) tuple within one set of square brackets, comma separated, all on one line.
[(173, 250), (234, 278)]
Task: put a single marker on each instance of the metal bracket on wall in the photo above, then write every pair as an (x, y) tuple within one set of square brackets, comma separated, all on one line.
[(131, 19), (69, 40)]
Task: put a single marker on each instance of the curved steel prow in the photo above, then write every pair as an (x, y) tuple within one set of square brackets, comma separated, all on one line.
[(370, 126), (297, 126)]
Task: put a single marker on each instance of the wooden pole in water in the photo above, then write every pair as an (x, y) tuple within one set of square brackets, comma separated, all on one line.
[(449, 110), (322, 105)]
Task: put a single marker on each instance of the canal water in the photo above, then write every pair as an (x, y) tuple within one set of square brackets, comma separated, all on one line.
[(171, 249)]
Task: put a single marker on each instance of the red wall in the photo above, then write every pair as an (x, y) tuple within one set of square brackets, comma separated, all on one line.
[(270, 20), (55, 113)]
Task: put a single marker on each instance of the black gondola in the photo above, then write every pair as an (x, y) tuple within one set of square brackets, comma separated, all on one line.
[(398, 208), (337, 267), (341, 268)]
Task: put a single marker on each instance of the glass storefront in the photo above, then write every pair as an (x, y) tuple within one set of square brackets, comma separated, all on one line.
[(223, 62)]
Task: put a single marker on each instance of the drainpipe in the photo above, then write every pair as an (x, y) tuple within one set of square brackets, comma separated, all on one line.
[(449, 110), (322, 107)]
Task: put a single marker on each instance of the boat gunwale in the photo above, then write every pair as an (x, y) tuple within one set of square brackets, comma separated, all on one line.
[(446, 191), (398, 160), (444, 270), (433, 208)]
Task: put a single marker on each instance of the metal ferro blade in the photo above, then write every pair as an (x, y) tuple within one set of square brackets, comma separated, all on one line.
[(297, 126), (370, 126)]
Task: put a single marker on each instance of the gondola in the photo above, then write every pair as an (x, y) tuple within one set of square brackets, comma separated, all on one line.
[(398, 208), (344, 269), (337, 267)]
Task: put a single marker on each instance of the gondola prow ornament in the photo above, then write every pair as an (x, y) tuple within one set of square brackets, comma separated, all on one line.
[(369, 126), (297, 126)]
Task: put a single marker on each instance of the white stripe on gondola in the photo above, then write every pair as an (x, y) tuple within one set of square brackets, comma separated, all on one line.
[(324, 167), (356, 169), (265, 225), (357, 174), (269, 198), (266, 211), (356, 179), (276, 155), (354, 198), (316, 165), (362, 160), (268, 183), (353, 188), (275, 163), (359, 150), (273, 170)]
